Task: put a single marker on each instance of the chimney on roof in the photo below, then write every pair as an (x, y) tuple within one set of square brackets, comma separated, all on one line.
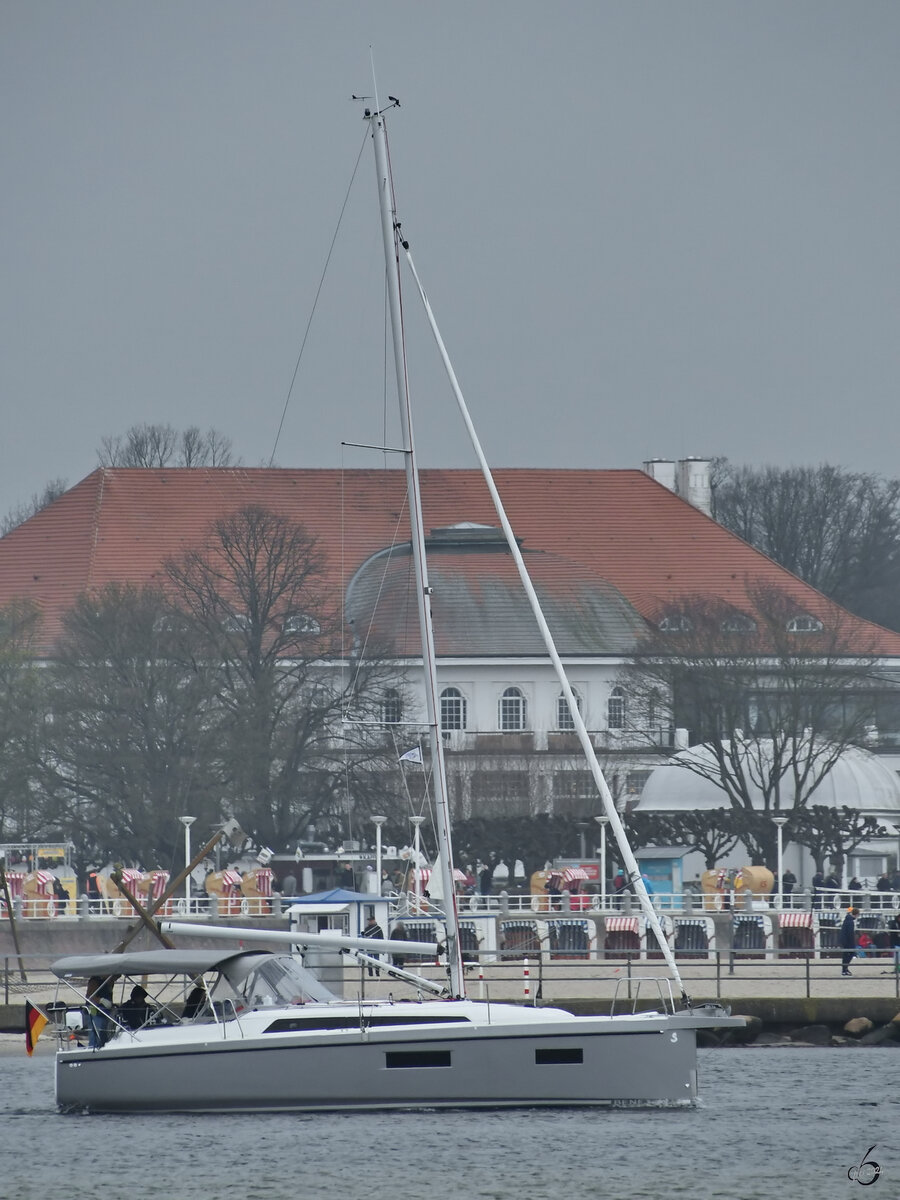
[(694, 483), (662, 470), (689, 478)]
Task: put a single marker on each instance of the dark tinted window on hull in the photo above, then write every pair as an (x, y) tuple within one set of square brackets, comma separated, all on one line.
[(417, 1058), (557, 1055)]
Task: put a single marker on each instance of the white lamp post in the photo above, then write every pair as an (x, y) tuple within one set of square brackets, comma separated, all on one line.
[(187, 822), (378, 821), (780, 823), (417, 878), (602, 821)]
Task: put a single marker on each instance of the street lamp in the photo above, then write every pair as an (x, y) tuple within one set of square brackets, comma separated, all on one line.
[(780, 823), (417, 878), (378, 822), (602, 821), (187, 822)]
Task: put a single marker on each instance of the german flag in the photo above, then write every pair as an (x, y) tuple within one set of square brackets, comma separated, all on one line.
[(35, 1020)]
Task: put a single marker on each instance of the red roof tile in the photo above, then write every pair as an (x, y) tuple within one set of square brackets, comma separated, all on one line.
[(619, 526)]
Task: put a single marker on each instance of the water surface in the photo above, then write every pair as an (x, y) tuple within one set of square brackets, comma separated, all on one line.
[(773, 1122)]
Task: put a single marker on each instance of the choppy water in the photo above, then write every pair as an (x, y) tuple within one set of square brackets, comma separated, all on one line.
[(785, 1122)]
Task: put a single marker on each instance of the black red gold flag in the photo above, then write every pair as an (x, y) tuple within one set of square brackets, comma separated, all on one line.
[(35, 1020)]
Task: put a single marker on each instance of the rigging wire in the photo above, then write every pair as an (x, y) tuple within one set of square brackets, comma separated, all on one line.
[(312, 314)]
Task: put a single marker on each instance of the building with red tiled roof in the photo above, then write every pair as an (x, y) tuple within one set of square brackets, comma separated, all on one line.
[(609, 552), (616, 529)]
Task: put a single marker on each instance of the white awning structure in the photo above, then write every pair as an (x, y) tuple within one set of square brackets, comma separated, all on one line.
[(858, 779)]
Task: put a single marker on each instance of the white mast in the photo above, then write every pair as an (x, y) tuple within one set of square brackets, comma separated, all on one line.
[(391, 238)]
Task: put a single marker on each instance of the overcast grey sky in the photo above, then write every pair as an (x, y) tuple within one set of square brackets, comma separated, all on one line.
[(650, 228)]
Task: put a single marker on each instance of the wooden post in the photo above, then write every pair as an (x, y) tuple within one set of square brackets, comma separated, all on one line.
[(146, 920), (12, 920)]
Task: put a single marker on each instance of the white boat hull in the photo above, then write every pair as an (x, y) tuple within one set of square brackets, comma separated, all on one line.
[(230, 1067)]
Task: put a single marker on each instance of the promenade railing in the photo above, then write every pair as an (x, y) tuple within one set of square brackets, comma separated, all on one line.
[(724, 977)]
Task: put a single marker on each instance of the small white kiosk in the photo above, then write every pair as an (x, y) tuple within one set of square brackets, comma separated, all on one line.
[(336, 911)]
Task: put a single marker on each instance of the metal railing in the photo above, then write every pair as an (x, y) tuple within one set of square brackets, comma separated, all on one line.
[(404, 904), (727, 974)]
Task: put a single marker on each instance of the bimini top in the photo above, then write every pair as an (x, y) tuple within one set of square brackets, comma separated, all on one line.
[(150, 962)]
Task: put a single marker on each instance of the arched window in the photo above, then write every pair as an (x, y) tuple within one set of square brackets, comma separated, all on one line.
[(564, 718), (391, 708), (453, 709), (296, 624), (675, 623), (739, 623), (804, 623), (615, 708), (512, 710)]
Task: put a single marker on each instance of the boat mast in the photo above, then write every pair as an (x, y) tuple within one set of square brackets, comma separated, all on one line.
[(390, 229)]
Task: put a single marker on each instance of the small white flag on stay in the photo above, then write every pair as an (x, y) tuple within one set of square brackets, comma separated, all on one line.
[(414, 755)]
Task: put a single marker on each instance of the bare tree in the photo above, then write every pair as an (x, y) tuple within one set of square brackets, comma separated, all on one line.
[(300, 734), (838, 530), (52, 490), (21, 722), (772, 697), (134, 741), (162, 446), (210, 449)]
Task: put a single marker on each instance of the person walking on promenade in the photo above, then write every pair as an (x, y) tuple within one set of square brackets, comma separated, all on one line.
[(848, 940), (399, 934), (372, 930)]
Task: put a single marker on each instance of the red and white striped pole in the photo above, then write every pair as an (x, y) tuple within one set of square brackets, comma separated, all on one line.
[(525, 979), (480, 981)]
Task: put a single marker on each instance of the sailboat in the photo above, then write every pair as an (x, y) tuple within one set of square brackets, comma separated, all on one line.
[(260, 1033)]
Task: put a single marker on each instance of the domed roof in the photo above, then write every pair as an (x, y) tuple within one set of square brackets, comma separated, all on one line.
[(480, 607), (858, 780)]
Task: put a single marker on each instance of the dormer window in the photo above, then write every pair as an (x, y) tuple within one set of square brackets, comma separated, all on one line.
[(739, 623), (236, 623), (675, 623), (804, 623), (301, 624)]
